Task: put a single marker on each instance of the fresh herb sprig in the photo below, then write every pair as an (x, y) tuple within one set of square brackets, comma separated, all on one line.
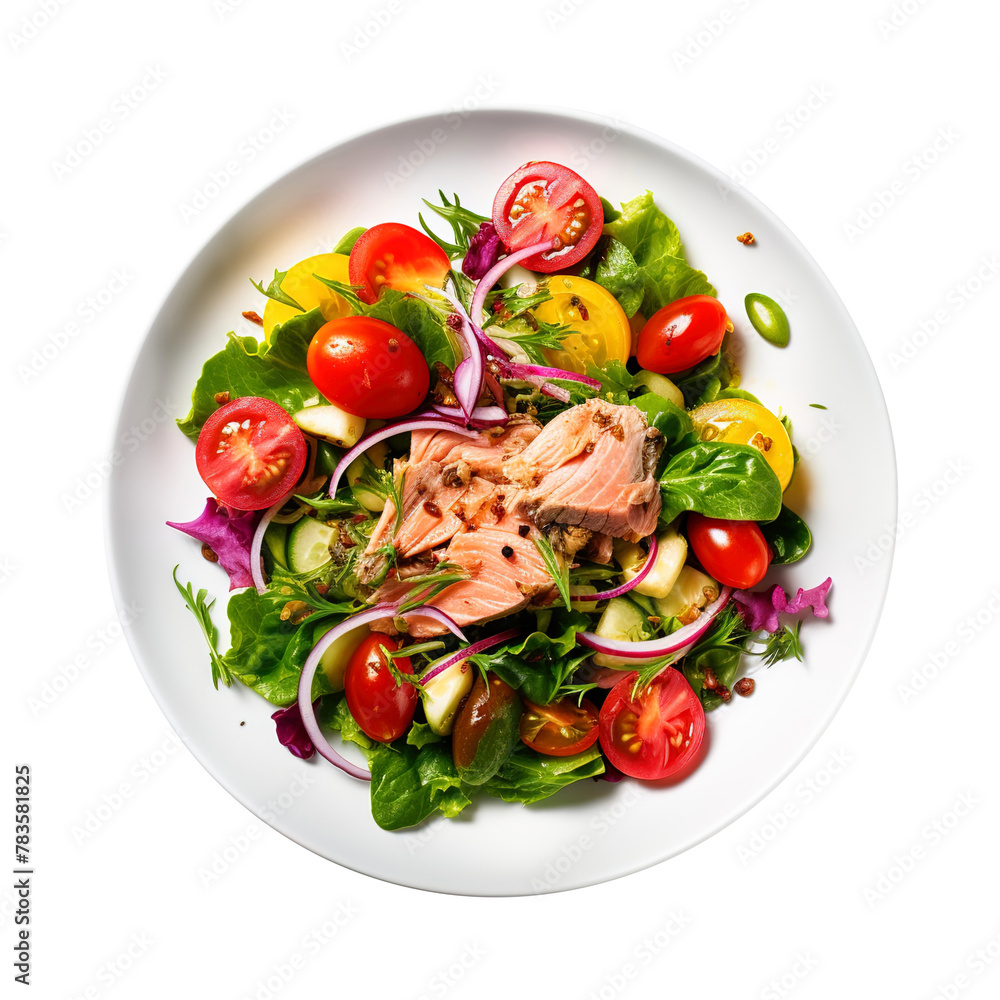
[(202, 612), (274, 290), (464, 224)]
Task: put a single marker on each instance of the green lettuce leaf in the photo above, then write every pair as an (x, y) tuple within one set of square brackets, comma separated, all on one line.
[(247, 367), (612, 266), (656, 247), (527, 776), (267, 654), (720, 480)]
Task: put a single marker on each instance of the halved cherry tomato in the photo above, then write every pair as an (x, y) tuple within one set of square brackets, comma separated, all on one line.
[(547, 201), (368, 367), (600, 329), (250, 453), (742, 421), (658, 732), (383, 709), (392, 255), (560, 729), (682, 334), (734, 552)]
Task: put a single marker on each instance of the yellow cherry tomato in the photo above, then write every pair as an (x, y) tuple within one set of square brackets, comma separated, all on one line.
[(600, 326), (742, 421), (300, 285)]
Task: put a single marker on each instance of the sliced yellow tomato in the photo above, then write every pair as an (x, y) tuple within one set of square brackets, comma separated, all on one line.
[(742, 421), (300, 285), (600, 326)]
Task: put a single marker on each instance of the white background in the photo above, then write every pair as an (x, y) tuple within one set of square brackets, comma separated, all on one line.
[(883, 877)]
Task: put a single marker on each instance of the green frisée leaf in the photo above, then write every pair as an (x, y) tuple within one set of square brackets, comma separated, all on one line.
[(658, 251), (202, 612), (273, 290), (720, 480), (247, 367)]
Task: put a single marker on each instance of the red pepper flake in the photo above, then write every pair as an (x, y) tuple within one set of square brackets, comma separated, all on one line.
[(747, 239), (432, 508), (577, 302), (253, 317), (744, 687)]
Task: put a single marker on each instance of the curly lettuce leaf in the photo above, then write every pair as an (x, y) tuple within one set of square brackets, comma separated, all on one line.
[(657, 248)]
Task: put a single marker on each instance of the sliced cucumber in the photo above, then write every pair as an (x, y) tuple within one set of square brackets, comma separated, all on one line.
[(691, 592), (443, 694), (276, 538), (375, 456), (662, 386), (309, 544), (623, 621), (332, 424), (336, 656), (671, 553)]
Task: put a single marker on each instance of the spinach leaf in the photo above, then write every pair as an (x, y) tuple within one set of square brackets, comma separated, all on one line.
[(615, 379), (539, 664), (527, 776), (410, 784), (658, 251), (246, 367), (705, 382), (267, 654), (612, 265), (789, 537), (668, 418), (720, 480), (346, 244)]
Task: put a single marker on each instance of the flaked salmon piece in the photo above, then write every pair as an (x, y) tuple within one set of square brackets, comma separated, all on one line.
[(483, 455), (599, 549), (592, 466), (419, 480), (506, 571), (437, 519)]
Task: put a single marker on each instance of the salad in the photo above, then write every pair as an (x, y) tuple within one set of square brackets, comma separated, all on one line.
[(499, 529)]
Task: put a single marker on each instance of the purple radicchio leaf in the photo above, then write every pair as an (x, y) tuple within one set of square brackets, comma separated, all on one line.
[(228, 533), (760, 608), (485, 249), (292, 731)]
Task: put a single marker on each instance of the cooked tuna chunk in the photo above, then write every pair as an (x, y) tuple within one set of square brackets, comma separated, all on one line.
[(592, 466)]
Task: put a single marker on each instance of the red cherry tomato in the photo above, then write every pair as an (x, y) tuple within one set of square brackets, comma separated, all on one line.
[(368, 367), (658, 732), (392, 255), (546, 201), (682, 334), (383, 709), (560, 729), (734, 552), (250, 453)]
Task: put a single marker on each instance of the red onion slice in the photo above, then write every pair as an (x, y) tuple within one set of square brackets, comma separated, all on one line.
[(495, 273), (426, 421), (650, 649), (306, 709), (469, 380), (480, 418), (625, 587), (464, 654), (256, 568)]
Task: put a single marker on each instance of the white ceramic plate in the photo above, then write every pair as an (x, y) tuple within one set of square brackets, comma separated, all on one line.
[(595, 830)]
